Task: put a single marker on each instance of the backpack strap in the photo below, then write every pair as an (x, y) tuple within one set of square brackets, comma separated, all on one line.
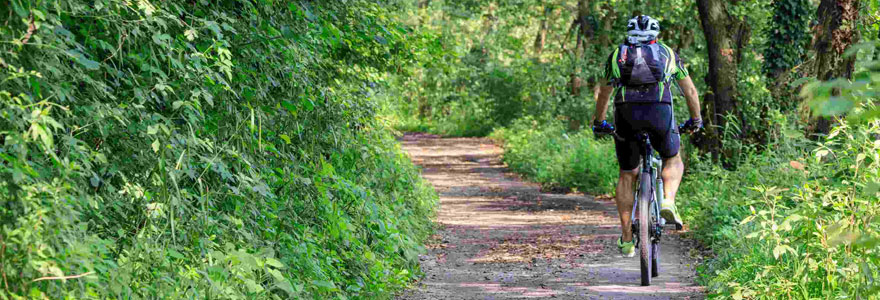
[(669, 70), (671, 66)]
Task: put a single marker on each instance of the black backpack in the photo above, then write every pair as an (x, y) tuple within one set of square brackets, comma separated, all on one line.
[(643, 67)]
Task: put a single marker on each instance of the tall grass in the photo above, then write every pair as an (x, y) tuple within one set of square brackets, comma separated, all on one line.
[(549, 155)]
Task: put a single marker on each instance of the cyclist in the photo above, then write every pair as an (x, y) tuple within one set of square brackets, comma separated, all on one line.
[(639, 73)]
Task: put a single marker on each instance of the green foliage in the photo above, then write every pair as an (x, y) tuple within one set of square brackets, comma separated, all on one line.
[(792, 224), (788, 37), (197, 149), (856, 98), (480, 71), (549, 155)]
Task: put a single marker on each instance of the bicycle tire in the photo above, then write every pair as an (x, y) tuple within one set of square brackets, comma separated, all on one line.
[(655, 246), (655, 259), (645, 244)]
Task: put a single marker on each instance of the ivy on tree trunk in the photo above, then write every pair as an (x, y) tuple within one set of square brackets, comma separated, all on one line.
[(834, 32), (785, 49)]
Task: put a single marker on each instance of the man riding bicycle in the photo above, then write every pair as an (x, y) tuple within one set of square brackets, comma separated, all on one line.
[(639, 73)]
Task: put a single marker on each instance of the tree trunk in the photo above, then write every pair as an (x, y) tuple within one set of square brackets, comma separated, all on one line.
[(684, 38), (423, 11), (725, 38), (489, 20), (583, 30), (541, 38), (424, 106), (834, 32), (610, 36), (606, 40), (877, 48)]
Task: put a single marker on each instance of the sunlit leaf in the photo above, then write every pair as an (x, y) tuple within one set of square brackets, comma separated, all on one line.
[(190, 34)]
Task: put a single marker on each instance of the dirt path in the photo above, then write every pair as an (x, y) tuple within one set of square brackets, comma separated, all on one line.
[(502, 238)]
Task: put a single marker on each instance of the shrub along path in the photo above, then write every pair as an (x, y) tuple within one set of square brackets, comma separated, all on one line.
[(502, 238)]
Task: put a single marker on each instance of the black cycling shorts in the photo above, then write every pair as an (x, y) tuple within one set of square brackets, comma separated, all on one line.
[(654, 118)]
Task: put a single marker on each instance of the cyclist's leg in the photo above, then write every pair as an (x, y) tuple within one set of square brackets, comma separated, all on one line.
[(673, 169), (666, 140), (624, 199), (628, 159)]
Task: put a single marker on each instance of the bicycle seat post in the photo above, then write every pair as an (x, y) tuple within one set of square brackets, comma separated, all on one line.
[(645, 142)]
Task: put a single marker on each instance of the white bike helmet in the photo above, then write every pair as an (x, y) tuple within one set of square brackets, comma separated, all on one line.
[(642, 29)]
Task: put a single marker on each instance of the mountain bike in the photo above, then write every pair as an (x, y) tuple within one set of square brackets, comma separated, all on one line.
[(647, 225)]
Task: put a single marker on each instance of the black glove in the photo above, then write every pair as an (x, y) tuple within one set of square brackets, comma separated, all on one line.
[(602, 128), (691, 126)]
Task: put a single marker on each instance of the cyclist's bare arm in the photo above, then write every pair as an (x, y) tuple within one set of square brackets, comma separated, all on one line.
[(605, 90), (690, 94)]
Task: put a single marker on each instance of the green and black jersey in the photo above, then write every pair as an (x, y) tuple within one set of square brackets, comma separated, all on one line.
[(663, 60)]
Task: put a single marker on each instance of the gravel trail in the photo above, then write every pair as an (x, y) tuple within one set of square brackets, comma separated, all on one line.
[(500, 237)]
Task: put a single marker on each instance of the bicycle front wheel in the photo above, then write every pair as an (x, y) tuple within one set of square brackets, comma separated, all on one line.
[(645, 194)]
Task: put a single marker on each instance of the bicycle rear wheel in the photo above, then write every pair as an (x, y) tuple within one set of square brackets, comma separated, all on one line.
[(645, 224)]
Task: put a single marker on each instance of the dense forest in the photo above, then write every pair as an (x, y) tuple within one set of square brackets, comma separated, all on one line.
[(246, 149), (204, 149)]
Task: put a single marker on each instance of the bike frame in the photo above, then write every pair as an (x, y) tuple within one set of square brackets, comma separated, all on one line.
[(651, 166), (648, 237)]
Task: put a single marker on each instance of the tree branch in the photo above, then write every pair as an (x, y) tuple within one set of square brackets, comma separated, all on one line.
[(63, 277), (30, 31), (568, 35)]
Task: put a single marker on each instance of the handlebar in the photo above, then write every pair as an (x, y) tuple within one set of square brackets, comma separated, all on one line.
[(620, 138)]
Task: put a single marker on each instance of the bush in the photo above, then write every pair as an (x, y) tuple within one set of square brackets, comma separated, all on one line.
[(549, 155), (792, 226), (197, 149)]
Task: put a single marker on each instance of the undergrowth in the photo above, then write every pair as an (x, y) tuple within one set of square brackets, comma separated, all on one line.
[(792, 226), (202, 149), (549, 155)]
